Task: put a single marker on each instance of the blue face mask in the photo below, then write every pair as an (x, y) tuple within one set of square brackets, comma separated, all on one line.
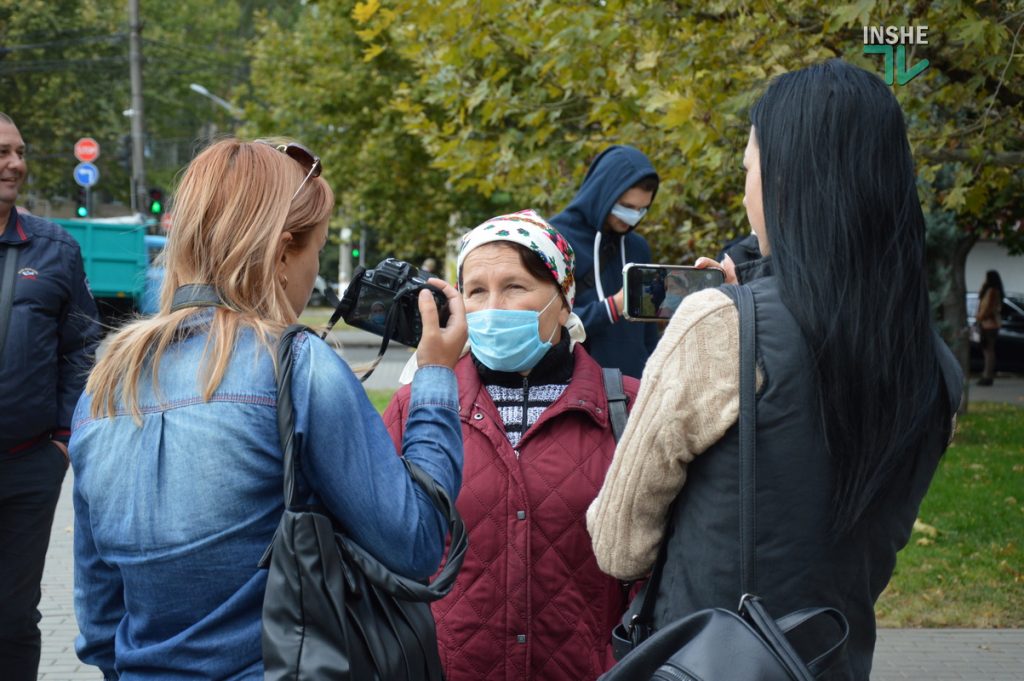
[(631, 216), (508, 340), (671, 301)]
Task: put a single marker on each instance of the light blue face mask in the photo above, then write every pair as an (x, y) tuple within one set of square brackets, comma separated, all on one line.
[(631, 216), (671, 301), (508, 340)]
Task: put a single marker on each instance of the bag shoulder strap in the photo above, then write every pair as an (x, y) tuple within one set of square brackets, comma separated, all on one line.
[(747, 431), (747, 440), (617, 412), (285, 409), (7, 290)]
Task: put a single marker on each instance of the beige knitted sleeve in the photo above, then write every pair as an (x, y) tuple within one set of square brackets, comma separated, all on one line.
[(688, 399)]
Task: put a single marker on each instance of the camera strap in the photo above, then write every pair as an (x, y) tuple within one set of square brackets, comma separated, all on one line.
[(348, 303), (389, 328)]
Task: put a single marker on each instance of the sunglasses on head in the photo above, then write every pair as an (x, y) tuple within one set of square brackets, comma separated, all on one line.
[(309, 161)]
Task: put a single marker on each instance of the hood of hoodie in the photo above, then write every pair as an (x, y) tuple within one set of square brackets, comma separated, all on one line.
[(614, 171)]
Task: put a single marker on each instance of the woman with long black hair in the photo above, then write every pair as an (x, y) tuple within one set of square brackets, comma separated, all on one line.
[(856, 393), (990, 320)]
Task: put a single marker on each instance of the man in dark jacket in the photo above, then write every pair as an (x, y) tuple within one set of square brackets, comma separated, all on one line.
[(48, 331), (600, 224)]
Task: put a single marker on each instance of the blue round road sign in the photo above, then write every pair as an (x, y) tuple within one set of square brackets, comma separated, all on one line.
[(86, 174)]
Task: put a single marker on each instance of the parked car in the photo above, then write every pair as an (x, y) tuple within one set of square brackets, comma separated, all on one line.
[(323, 294), (1010, 342)]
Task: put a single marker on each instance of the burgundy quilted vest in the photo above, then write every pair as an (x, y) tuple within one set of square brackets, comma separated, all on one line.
[(530, 602)]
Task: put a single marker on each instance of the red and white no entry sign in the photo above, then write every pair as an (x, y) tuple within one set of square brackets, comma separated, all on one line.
[(87, 150)]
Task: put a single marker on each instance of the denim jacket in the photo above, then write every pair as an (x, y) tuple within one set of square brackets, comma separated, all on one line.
[(172, 517)]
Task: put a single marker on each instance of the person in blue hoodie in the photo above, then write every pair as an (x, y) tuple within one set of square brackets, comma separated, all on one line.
[(600, 223)]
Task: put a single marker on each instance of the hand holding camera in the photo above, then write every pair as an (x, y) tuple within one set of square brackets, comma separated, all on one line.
[(395, 302), (441, 344)]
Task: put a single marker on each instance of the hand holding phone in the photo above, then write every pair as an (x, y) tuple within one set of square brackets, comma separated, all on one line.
[(653, 292), (727, 266)]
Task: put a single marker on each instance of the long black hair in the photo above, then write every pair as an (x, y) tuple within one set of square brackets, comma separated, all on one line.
[(846, 235), (992, 280)]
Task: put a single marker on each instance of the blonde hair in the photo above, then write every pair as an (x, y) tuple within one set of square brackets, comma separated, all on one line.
[(233, 204)]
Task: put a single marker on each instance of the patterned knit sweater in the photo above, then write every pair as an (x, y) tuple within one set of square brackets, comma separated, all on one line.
[(522, 399)]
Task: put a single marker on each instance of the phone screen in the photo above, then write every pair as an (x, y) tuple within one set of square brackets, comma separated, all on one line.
[(653, 292)]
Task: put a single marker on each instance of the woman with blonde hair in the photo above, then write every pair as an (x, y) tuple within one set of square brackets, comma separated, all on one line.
[(178, 469)]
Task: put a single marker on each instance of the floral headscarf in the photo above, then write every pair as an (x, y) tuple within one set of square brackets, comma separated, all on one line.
[(531, 230)]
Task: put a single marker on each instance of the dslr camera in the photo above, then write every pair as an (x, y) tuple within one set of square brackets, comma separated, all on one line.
[(383, 301)]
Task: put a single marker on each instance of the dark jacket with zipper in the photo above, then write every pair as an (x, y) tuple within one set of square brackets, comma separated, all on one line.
[(52, 334), (798, 564)]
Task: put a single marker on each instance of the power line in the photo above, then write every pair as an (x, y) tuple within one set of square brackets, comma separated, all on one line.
[(51, 33), (115, 37), (222, 59), (34, 66)]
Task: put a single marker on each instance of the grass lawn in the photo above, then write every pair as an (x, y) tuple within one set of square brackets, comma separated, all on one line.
[(380, 398), (317, 318), (965, 566)]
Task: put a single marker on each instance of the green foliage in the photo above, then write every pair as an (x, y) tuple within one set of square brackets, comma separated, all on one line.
[(65, 74), (963, 565), (432, 115), (313, 83), (517, 97), (56, 58)]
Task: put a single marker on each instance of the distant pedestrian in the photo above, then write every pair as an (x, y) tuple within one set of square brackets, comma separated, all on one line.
[(601, 224), (429, 268), (48, 331), (990, 320)]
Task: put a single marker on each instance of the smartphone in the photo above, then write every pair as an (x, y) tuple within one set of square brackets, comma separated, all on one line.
[(653, 292)]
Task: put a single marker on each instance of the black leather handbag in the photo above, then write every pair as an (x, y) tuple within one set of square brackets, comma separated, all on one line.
[(332, 612), (718, 644)]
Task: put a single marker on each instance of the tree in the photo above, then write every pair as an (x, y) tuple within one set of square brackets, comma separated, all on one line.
[(54, 56), (313, 82), (64, 71), (521, 95)]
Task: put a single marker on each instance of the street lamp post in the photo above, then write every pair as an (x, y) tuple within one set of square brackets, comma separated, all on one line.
[(235, 112)]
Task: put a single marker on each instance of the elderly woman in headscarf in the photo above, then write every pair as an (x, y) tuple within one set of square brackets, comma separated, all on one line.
[(530, 601)]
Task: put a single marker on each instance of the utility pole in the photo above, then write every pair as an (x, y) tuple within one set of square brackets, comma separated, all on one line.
[(345, 258), (135, 61)]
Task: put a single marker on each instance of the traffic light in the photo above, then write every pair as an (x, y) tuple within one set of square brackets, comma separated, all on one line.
[(156, 202), (355, 251), (82, 203), (124, 153)]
